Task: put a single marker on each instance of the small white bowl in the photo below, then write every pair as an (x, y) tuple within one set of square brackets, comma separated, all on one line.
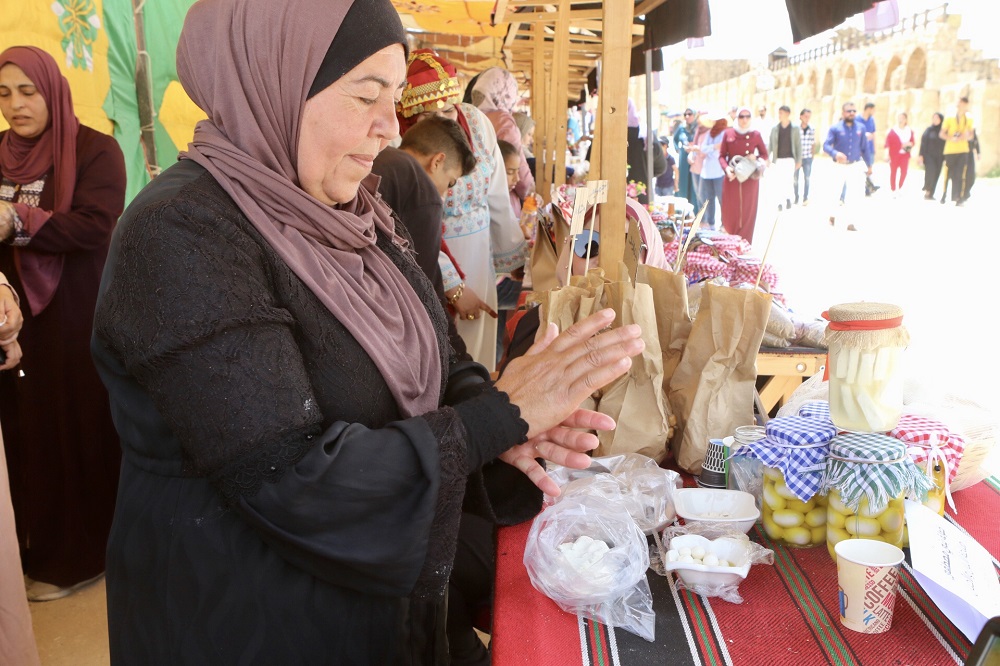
[(734, 508), (724, 548)]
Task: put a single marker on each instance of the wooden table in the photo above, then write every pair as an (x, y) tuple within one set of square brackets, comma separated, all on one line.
[(789, 615), (785, 370)]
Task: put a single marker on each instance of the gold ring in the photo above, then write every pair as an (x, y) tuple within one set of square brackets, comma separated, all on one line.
[(470, 317)]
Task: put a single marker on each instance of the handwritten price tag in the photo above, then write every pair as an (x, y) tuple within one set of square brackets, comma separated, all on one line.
[(580, 206)]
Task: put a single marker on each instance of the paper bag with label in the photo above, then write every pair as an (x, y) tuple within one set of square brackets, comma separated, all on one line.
[(636, 400), (711, 391)]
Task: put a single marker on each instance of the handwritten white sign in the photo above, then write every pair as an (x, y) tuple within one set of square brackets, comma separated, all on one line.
[(954, 570)]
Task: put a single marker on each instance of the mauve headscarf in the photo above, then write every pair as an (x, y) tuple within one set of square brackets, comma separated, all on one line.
[(499, 90), (249, 64), (26, 160)]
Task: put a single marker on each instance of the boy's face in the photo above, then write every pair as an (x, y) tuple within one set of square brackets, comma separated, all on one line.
[(512, 164)]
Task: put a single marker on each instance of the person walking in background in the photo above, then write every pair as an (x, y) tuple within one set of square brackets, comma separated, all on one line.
[(847, 145), (695, 157), (970, 178), (956, 131), (931, 155), (711, 170), (868, 120), (666, 181), (761, 123), (808, 134), (636, 156), (62, 188), (740, 195), (683, 138), (899, 143), (785, 148)]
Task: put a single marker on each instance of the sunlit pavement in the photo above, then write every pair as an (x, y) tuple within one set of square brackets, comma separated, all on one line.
[(938, 262)]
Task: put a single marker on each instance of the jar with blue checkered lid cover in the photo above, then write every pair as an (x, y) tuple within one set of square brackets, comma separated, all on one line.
[(867, 476), (794, 455)]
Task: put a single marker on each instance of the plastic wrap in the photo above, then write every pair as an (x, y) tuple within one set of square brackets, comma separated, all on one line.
[(606, 584), (779, 323), (710, 579), (809, 333), (631, 480)]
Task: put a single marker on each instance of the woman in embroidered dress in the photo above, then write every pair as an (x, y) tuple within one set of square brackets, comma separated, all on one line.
[(739, 199), (299, 437), (480, 228), (63, 188)]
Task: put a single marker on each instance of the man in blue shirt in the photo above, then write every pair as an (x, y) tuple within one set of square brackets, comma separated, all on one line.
[(847, 144), (868, 120)]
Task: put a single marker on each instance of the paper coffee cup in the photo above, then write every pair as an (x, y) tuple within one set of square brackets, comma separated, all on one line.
[(868, 575)]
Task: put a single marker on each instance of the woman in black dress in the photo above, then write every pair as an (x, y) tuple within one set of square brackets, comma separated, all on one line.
[(931, 155), (299, 440)]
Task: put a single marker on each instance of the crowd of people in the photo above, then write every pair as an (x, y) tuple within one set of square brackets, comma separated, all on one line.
[(711, 155)]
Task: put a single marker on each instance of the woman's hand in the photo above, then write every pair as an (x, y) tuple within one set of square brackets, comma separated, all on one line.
[(469, 305), (560, 371), (12, 319), (562, 445), (730, 172), (7, 213)]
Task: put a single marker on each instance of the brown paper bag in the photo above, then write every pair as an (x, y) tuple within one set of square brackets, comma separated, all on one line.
[(567, 305), (711, 391), (673, 323), (636, 400), (545, 255)]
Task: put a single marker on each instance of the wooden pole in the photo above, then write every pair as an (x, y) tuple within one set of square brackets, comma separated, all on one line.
[(144, 92), (560, 82), (612, 124), (650, 146), (538, 112)]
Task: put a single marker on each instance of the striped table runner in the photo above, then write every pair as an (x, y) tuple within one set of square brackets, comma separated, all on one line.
[(789, 616)]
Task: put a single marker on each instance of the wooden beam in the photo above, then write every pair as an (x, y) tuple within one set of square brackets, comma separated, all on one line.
[(560, 85), (543, 181), (612, 123), (499, 11), (550, 17), (647, 6)]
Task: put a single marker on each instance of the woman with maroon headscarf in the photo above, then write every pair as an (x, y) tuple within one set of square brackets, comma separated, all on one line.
[(62, 189), (299, 439), (740, 192)]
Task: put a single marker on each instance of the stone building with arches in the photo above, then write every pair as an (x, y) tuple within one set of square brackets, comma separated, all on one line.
[(920, 66)]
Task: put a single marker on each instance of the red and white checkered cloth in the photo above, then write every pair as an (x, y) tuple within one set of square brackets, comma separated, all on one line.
[(928, 441)]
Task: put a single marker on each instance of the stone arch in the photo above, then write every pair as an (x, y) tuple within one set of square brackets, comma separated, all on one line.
[(916, 69), (889, 71), (813, 85), (828, 83), (788, 81), (849, 84), (870, 83)]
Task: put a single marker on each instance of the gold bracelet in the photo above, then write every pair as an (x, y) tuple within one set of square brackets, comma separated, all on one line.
[(457, 295)]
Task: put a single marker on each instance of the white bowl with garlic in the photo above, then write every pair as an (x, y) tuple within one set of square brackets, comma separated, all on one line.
[(729, 508), (700, 561)]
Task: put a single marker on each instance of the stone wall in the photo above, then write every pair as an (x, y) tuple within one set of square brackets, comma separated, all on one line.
[(919, 69)]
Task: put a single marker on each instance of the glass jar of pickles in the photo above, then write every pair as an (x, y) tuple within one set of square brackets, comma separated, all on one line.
[(937, 450), (867, 476), (794, 457), (866, 343)]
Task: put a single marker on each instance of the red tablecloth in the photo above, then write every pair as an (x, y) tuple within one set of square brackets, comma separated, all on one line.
[(789, 615)]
